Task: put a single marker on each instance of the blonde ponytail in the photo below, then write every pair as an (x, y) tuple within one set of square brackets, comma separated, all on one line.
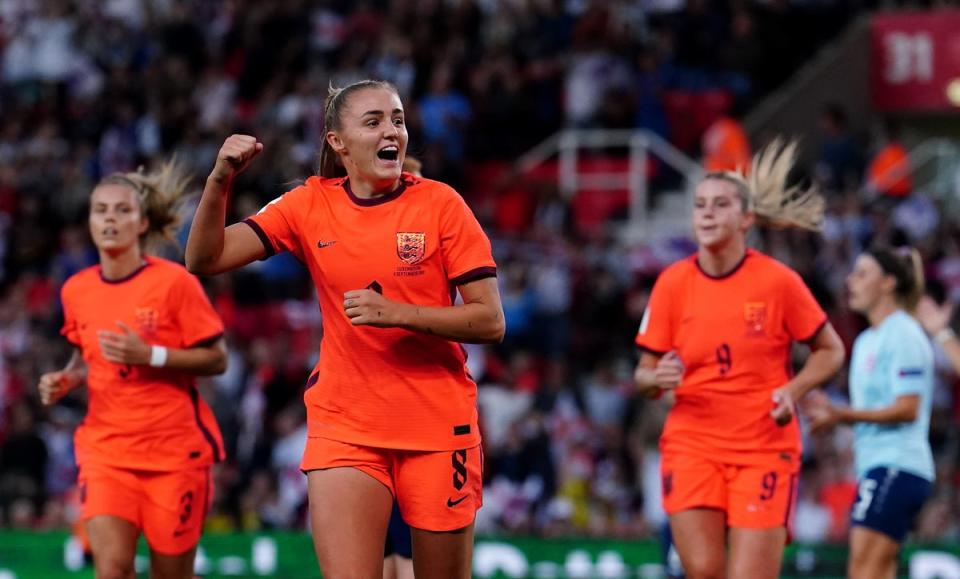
[(160, 194), (765, 192), (776, 204)]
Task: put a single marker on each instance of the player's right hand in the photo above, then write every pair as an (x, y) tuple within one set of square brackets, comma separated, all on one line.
[(234, 156), (669, 371), (934, 318), (820, 412), (53, 386)]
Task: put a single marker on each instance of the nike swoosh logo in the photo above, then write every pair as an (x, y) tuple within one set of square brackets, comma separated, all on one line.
[(452, 503)]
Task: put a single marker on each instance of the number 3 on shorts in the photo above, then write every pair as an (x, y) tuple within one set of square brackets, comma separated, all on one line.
[(864, 498)]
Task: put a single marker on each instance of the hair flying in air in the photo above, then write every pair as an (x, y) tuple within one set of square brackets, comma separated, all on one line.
[(160, 194), (765, 190)]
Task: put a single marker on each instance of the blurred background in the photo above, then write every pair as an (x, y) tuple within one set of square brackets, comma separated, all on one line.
[(574, 129)]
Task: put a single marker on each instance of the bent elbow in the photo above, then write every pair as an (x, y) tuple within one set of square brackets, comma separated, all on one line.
[(498, 331), (192, 263), (199, 266), (839, 356), (220, 367)]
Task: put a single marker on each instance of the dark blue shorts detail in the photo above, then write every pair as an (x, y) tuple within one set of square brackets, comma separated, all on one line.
[(888, 500), (398, 536)]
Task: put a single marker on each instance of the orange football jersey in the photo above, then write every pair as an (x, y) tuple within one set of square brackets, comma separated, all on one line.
[(388, 388), (141, 417), (733, 335)]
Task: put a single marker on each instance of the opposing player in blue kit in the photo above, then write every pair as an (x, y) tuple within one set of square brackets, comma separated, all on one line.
[(891, 386)]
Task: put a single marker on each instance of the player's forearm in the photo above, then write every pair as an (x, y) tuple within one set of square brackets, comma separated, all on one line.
[(895, 413), (469, 323), (76, 368), (647, 382), (951, 347), (205, 242), (201, 361), (821, 365), (645, 378)]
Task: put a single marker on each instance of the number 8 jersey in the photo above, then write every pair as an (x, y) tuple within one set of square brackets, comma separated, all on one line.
[(384, 387), (734, 335)]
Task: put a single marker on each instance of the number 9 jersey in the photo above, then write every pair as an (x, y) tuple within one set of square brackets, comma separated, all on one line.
[(734, 335)]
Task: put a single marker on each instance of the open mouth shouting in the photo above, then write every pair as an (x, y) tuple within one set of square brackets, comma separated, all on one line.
[(389, 156)]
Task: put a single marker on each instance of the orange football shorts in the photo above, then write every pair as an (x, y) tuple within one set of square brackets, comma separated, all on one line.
[(436, 490), (168, 507)]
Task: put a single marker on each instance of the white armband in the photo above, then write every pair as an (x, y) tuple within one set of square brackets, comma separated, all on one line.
[(158, 356)]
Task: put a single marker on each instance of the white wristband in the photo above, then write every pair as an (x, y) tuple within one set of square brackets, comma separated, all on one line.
[(158, 356), (944, 335)]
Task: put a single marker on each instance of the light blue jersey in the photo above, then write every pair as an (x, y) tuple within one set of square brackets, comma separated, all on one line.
[(892, 360)]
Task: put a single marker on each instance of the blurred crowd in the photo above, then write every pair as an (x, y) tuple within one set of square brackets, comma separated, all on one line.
[(92, 87)]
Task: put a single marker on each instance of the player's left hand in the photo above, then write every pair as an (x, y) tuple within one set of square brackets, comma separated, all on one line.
[(125, 347), (366, 307), (783, 406)]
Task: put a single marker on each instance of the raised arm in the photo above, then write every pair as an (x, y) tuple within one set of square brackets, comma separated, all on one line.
[(936, 321), (211, 249)]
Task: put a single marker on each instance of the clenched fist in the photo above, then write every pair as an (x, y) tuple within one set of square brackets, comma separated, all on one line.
[(54, 385), (234, 156)]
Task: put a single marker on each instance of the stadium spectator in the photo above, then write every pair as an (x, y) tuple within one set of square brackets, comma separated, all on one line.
[(726, 146), (840, 166), (889, 173)]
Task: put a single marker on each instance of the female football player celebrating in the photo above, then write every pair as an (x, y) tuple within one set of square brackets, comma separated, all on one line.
[(391, 408)]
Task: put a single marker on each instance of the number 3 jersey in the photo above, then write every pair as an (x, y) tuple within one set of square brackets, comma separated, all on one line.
[(139, 417), (384, 387), (734, 336)]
